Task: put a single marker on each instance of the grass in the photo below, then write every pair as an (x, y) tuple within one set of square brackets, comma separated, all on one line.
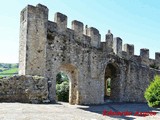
[(9, 72), (108, 91), (1, 68)]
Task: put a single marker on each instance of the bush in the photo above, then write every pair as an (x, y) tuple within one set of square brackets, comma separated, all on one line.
[(62, 91), (152, 93)]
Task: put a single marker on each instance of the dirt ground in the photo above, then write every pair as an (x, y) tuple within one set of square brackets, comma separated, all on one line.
[(64, 111)]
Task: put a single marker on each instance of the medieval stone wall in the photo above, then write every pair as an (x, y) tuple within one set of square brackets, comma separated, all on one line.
[(32, 54), (30, 89), (51, 47)]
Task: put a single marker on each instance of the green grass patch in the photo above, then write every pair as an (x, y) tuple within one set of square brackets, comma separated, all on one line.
[(10, 72)]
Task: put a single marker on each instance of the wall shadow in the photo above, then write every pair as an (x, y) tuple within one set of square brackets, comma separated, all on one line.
[(129, 110)]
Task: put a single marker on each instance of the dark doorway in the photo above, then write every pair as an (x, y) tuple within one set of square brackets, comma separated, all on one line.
[(111, 85)]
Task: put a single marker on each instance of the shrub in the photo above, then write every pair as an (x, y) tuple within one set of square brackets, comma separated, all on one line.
[(62, 91), (152, 93)]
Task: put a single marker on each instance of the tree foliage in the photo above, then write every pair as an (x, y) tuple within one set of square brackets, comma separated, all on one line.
[(62, 91), (152, 93), (61, 77), (62, 87)]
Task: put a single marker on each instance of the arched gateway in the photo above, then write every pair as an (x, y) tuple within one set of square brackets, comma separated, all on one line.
[(111, 82), (72, 73)]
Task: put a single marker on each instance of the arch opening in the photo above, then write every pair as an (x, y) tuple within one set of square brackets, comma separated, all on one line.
[(70, 73), (111, 82)]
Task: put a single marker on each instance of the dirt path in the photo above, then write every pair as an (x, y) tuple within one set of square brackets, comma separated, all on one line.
[(64, 111)]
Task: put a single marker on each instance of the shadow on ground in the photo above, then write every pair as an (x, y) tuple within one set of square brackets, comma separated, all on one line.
[(129, 110)]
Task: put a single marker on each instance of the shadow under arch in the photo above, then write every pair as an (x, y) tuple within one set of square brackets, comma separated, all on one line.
[(112, 82), (72, 73)]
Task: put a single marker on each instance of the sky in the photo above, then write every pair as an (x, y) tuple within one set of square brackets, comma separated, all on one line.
[(134, 21)]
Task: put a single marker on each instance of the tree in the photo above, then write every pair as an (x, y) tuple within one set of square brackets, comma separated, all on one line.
[(61, 77), (62, 87), (62, 91), (152, 93)]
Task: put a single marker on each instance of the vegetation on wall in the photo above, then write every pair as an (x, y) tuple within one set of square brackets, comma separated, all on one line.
[(152, 93)]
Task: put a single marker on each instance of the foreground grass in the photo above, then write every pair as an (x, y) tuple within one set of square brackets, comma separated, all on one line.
[(10, 72)]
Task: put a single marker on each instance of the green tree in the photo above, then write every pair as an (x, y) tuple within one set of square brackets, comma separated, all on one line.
[(62, 91), (152, 93), (61, 77), (62, 87)]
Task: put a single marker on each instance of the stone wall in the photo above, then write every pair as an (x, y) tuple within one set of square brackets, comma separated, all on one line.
[(33, 37), (30, 89), (134, 78), (49, 47)]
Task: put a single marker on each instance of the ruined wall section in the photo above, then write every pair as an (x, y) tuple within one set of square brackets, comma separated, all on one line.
[(71, 46), (135, 79), (132, 78), (33, 38), (58, 49), (46, 47), (131, 81), (143, 59), (28, 89)]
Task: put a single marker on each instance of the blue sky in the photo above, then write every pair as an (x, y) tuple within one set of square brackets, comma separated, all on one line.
[(135, 21)]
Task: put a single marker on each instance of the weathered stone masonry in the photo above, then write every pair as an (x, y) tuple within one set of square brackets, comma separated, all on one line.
[(28, 89), (47, 47)]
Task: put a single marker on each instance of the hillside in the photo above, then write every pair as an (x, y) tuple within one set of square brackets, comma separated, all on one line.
[(7, 69)]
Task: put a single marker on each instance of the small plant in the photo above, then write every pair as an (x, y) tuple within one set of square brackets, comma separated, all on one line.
[(152, 93)]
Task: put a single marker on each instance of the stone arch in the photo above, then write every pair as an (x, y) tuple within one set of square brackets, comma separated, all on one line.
[(72, 73), (112, 72)]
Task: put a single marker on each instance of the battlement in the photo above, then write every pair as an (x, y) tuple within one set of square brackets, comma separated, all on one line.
[(77, 26), (29, 11), (49, 47), (87, 35)]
